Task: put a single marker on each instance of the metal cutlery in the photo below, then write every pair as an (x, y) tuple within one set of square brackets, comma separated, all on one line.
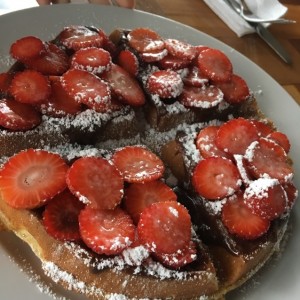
[(263, 32), (242, 9)]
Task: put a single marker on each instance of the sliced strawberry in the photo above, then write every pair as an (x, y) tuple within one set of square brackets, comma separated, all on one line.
[(215, 65), (240, 221), (96, 182), (266, 158), (216, 178), (140, 195), (165, 84), (106, 232), (60, 103), (235, 136), (30, 87), (77, 37), (263, 128), (201, 48), (54, 61), (154, 56), (179, 259), (124, 86), (138, 165), (281, 139), (266, 198), (291, 193), (201, 97), (235, 91), (205, 142), (245, 174), (195, 78), (181, 49), (5, 82), (129, 62), (92, 59), (86, 88), (107, 43), (60, 217), (18, 116), (32, 177), (145, 40), (165, 227), (172, 62), (26, 48)]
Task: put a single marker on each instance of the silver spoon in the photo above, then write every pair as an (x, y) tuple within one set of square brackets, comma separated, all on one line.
[(240, 7)]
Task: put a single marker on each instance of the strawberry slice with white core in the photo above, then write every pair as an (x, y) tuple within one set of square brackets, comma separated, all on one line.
[(106, 231), (18, 116), (138, 165), (266, 158), (96, 182), (32, 177), (140, 195), (266, 198), (215, 65), (235, 136), (92, 59), (205, 142), (30, 87), (86, 88), (181, 49), (201, 97), (240, 221), (124, 86), (60, 217), (26, 48), (216, 178), (145, 40), (165, 227), (165, 84), (77, 37)]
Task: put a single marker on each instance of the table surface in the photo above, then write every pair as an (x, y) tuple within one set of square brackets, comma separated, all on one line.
[(197, 14)]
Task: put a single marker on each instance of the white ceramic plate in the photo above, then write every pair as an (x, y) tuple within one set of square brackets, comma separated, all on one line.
[(280, 279)]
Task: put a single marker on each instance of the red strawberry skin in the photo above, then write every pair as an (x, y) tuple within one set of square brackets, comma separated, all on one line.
[(106, 231), (60, 217), (165, 227), (32, 177)]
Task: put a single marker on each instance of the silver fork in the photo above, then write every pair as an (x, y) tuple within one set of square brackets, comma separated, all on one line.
[(241, 8)]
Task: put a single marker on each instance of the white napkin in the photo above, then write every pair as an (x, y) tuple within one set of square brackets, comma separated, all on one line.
[(261, 8)]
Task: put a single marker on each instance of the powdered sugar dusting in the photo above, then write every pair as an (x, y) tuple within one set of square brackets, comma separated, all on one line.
[(259, 188)]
